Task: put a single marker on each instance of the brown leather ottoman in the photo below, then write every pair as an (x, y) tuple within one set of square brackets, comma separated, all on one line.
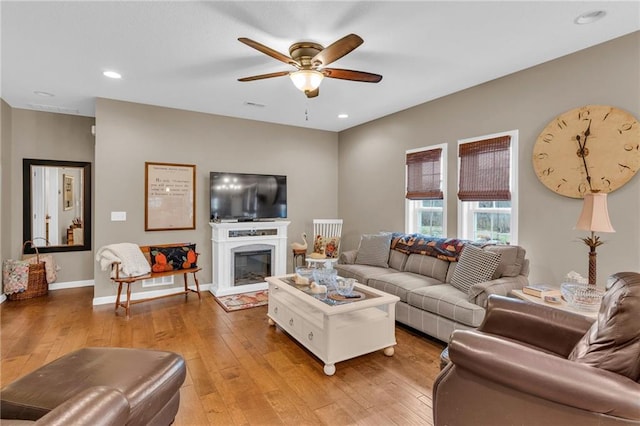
[(149, 380)]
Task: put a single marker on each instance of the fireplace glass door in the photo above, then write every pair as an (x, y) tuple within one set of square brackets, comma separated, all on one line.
[(251, 266)]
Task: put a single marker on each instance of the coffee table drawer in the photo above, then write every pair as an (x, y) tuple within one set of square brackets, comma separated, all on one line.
[(312, 337)]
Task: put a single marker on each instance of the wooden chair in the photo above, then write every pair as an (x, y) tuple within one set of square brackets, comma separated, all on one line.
[(327, 229)]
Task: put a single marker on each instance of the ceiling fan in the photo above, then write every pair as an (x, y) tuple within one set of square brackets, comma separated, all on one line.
[(311, 59)]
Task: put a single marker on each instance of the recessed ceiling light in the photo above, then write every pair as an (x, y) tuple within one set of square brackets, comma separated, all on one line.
[(589, 17), (111, 74), (43, 94), (343, 115)]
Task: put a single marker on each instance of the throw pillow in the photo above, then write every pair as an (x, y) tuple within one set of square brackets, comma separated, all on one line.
[(331, 247), (173, 258), (318, 244), (474, 266), (374, 250)]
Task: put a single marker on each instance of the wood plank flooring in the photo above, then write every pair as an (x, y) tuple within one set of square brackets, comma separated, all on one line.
[(240, 370)]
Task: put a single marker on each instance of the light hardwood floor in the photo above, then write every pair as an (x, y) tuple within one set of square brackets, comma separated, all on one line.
[(241, 371)]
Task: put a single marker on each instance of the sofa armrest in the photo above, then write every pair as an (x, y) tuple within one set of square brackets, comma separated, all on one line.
[(98, 405), (348, 257), (479, 293), (545, 327), (542, 375)]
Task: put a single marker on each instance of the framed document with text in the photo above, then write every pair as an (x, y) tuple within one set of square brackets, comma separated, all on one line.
[(170, 197)]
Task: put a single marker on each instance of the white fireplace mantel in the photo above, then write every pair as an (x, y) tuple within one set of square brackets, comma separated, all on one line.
[(229, 236)]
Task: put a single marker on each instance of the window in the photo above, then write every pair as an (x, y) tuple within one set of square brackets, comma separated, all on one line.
[(425, 197), (487, 206)]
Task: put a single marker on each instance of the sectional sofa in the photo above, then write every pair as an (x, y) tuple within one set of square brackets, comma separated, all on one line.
[(443, 284)]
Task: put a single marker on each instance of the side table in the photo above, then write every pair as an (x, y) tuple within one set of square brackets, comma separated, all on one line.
[(299, 253), (563, 305)]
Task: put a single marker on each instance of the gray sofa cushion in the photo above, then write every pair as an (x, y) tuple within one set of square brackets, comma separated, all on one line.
[(362, 273), (401, 283), (428, 266), (447, 301), (397, 260), (511, 260)]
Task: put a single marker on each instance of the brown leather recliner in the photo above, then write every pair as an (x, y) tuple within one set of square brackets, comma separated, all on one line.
[(529, 364), (98, 386)]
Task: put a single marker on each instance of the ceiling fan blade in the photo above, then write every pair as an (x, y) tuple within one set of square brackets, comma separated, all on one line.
[(337, 50), (269, 51), (263, 76), (312, 93), (366, 77)]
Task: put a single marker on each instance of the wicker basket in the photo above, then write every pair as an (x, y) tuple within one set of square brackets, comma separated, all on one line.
[(37, 284)]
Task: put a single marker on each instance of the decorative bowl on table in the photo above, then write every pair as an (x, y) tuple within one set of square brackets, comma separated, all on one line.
[(344, 286), (325, 277), (582, 296), (303, 275)]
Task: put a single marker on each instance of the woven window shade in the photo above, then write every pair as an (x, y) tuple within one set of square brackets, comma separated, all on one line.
[(484, 170), (423, 175)]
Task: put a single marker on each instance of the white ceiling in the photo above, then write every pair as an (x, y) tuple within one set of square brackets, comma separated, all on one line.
[(186, 55)]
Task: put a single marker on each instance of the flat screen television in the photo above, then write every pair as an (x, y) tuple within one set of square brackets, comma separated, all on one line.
[(246, 196)]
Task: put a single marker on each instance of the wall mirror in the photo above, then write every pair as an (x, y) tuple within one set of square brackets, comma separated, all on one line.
[(56, 205)]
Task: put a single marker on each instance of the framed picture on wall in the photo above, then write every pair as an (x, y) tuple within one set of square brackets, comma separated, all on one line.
[(170, 201), (67, 192)]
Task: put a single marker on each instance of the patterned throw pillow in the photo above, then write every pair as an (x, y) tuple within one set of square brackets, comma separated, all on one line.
[(318, 244), (173, 258), (474, 266), (374, 250), (15, 276), (331, 246)]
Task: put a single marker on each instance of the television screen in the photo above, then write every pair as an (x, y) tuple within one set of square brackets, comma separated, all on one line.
[(244, 196)]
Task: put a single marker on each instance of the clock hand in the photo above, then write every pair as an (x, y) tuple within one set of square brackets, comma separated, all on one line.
[(581, 152)]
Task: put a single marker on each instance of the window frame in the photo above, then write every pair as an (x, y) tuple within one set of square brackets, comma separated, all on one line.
[(467, 209), (412, 207)]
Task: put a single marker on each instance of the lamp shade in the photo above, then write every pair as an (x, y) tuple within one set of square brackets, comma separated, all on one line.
[(595, 215), (306, 80)]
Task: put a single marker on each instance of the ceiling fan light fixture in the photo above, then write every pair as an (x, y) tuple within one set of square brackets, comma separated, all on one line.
[(306, 80)]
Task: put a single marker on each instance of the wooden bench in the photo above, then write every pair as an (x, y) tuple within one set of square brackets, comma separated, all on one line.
[(129, 280)]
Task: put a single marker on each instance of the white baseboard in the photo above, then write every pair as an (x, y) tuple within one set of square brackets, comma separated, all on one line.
[(71, 284), (60, 286), (105, 300)]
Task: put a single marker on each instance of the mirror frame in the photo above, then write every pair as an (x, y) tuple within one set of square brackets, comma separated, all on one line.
[(26, 204)]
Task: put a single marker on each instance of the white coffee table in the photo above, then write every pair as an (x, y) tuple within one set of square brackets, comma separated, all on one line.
[(333, 330)]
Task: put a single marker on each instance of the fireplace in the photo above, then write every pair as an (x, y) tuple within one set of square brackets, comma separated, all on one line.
[(251, 264), (244, 254)]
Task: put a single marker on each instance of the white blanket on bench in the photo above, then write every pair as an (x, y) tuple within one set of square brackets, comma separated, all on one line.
[(132, 260)]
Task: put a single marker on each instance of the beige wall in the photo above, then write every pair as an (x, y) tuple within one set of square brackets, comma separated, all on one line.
[(49, 136), (5, 180), (372, 157), (128, 135)]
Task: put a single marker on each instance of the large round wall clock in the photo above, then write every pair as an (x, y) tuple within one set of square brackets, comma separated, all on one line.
[(591, 148)]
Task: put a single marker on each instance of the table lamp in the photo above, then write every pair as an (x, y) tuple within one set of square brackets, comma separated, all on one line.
[(594, 218)]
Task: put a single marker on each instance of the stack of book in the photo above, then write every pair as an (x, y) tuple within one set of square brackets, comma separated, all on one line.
[(540, 290)]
